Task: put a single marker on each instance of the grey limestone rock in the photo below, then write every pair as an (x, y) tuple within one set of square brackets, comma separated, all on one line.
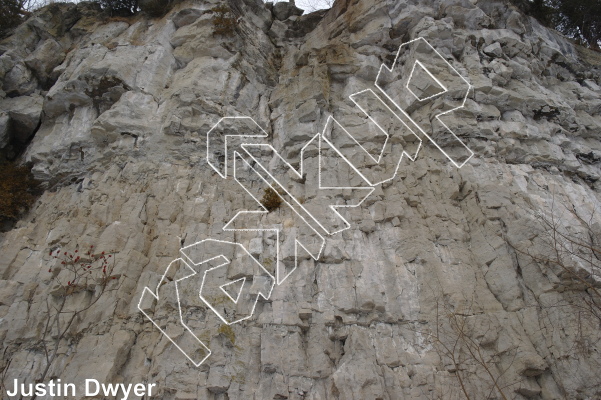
[(442, 287), (284, 10)]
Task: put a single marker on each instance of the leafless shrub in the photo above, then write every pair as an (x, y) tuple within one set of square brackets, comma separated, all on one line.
[(79, 280), (468, 355), (567, 249), (570, 248)]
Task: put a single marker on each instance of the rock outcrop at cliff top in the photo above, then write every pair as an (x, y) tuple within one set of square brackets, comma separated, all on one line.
[(113, 114)]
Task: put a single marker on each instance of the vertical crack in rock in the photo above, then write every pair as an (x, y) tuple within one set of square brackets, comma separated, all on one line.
[(450, 282)]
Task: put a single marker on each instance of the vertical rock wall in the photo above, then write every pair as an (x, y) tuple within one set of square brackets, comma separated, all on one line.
[(113, 114)]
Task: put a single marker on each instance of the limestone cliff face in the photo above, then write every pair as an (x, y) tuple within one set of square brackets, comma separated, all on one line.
[(429, 294)]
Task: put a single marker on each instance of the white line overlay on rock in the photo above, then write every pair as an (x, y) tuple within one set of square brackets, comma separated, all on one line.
[(237, 297)]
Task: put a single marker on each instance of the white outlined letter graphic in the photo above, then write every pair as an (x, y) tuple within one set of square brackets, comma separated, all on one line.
[(422, 82), (422, 88)]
